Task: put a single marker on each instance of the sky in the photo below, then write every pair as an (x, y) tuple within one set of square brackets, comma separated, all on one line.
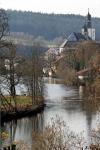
[(54, 6)]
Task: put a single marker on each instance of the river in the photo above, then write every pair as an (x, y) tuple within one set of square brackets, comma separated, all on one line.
[(68, 103)]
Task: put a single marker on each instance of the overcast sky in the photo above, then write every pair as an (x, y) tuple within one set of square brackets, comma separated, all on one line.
[(55, 6)]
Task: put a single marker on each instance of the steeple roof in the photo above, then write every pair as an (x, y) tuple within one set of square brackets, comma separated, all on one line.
[(88, 23), (88, 16)]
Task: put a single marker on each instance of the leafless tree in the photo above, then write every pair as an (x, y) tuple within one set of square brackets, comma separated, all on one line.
[(4, 28), (10, 75), (32, 73)]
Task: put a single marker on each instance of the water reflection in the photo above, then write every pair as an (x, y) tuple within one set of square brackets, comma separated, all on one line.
[(22, 129), (66, 102), (69, 103)]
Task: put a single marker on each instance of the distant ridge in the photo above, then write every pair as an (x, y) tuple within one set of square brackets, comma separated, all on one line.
[(48, 26)]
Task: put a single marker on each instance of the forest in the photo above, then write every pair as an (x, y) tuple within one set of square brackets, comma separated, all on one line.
[(49, 26)]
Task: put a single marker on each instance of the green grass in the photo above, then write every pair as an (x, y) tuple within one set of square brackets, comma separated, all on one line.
[(23, 102)]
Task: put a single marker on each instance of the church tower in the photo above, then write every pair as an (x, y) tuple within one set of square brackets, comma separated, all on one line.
[(87, 29), (89, 23)]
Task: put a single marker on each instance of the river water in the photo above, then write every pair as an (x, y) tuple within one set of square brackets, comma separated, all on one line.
[(68, 103)]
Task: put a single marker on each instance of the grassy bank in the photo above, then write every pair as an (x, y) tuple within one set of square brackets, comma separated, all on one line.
[(22, 102), (24, 107)]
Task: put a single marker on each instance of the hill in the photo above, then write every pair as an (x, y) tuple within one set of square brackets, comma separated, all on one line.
[(48, 26)]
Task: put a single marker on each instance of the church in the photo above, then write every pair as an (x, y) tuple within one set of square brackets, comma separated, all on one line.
[(87, 33), (87, 29)]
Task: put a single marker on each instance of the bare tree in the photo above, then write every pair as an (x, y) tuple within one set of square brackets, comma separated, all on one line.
[(10, 77), (32, 73), (85, 51), (4, 28)]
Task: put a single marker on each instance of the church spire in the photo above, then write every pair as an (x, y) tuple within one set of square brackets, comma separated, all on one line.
[(89, 24), (88, 10)]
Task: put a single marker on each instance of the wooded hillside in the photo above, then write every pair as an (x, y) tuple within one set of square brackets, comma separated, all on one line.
[(48, 26)]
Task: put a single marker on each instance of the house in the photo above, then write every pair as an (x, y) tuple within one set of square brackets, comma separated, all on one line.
[(7, 64), (52, 53)]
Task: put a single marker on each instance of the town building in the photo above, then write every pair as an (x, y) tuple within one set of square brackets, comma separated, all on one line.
[(51, 53)]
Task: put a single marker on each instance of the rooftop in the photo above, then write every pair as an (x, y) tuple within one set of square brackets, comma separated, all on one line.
[(75, 37)]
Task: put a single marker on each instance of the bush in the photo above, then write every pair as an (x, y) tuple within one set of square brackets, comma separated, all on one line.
[(54, 137)]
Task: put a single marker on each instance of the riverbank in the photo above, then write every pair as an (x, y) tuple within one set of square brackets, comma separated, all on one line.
[(7, 116), (23, 107)]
